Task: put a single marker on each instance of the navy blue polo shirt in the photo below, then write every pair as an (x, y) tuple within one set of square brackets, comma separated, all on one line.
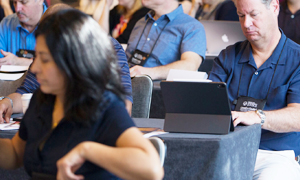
[(255, 83), (45, 146)]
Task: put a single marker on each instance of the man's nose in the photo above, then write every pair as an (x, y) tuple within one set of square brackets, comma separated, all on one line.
[(247, 21), (18, 6)]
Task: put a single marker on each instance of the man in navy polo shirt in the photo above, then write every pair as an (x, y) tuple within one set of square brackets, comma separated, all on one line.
[(263, 79), (165, 39)]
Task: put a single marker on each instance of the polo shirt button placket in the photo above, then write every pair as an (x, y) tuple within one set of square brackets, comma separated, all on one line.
[(256, 73), (155, 24), (292, 16), (148, 39)]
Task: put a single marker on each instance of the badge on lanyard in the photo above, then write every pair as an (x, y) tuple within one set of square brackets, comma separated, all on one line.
[(245, 104), (138, 58), (25, 53)]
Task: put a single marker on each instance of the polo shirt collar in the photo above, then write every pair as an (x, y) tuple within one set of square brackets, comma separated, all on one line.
[(247, 55), (171, 16), (20, 26)]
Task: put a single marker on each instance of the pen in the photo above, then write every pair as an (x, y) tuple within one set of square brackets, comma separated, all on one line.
[(11, 124)]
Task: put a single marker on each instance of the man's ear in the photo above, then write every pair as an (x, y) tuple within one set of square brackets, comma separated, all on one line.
[(275, 7)]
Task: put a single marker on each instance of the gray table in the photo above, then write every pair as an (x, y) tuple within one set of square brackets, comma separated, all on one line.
[(194, 156), (204, 156)]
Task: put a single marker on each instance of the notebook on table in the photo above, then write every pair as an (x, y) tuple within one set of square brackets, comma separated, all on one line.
[(220, 34), (196, 107)]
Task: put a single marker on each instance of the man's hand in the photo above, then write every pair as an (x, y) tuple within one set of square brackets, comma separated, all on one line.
[(246, 118), (138, 70), (5, 110), (11, 59)]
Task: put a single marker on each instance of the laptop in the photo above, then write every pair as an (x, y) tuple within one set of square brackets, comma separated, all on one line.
[(220, 34), (196, 107)]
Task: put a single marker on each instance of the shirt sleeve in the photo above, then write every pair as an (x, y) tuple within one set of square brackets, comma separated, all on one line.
[(218, 72), (29, 84), (125, 75), (293, 93), (117, 121), (194, 40)]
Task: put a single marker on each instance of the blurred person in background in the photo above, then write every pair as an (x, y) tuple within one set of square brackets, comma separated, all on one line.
[(289, 19), (120, 21)]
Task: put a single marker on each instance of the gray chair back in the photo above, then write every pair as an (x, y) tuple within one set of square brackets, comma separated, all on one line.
[(160, 147), (8, 87), (141, 93)]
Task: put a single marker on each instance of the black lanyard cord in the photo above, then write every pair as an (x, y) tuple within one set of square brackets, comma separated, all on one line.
[(272, 76), (156, 38)]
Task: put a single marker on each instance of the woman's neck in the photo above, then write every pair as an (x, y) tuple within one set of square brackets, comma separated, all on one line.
[(58, 111)]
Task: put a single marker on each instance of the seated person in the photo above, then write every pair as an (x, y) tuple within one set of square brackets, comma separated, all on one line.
[(78, 106), (120, 21), (227, 11), (17, 32), (289, 19), (165, 39), (263, 79), (13, 103), (207, 10)]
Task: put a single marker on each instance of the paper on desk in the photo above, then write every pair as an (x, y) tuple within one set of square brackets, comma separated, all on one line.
[(10, 77), (12, 125), (184, 75), (12, 68)]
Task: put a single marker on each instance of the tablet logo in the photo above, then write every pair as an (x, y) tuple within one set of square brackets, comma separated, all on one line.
[(225, 38), (245, 103)]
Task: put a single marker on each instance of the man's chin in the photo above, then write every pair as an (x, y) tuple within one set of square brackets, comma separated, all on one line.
[(23, 19)]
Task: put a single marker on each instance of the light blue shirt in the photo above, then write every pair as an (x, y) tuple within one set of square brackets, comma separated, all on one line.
[(14, 37), (181, 33)]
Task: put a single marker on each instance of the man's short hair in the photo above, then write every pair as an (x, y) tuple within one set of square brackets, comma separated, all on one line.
[(266, 2)]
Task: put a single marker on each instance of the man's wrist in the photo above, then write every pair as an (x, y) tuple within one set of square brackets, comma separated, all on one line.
[(262, 116), (11, 101)]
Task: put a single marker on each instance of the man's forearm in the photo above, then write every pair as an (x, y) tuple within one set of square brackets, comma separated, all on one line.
[(161, 72), (283, 120), (7, 10)]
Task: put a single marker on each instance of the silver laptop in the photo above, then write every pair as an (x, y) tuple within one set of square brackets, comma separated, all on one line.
[(196, 107), (220, 34)]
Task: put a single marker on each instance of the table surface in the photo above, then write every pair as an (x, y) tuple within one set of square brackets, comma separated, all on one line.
[(200, 156), (208, 156)]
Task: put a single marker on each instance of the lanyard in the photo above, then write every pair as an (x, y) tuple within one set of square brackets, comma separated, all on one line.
[(156, 38), (272, 76)]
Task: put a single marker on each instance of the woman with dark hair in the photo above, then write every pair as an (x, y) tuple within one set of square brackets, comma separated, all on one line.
[(78, 108)]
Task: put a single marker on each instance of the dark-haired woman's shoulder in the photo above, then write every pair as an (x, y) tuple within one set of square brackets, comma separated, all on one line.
[(115, 119)]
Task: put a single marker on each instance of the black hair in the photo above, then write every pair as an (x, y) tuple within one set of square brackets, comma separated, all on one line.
[(85, 56)]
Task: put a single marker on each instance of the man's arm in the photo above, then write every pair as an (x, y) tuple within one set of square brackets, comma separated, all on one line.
[(104, 18), (280, 121), (6, 7), (189, 61), (11, 59)]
